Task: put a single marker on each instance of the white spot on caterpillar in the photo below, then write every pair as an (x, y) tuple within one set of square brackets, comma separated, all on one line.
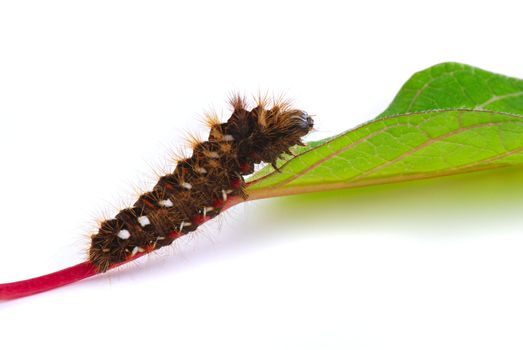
[(186, 185), (228, 138), (184, 224), (137, 250), (166, 203), (206, 209), (224, 195), (200, 170), (144, 221), (124, 234)]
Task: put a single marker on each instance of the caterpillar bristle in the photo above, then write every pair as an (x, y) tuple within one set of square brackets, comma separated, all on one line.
[(262, 100), (211, 119), (237, 102), (177, 154), (193, 140), (282, 102), (99, 217), (138, 189)]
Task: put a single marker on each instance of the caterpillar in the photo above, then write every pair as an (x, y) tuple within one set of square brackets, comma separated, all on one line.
[(197, 190)]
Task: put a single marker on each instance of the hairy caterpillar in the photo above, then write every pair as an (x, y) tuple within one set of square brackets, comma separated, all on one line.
[(199, 188)]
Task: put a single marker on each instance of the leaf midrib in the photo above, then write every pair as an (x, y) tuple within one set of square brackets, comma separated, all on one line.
[(278, 192)]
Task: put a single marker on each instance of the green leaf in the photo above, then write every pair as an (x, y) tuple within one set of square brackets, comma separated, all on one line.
[(456, 85), (448, 119)]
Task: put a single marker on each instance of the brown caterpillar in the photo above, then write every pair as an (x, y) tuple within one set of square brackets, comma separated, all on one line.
[(200, 185)]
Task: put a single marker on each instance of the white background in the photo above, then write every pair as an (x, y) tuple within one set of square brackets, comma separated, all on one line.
[(96, 95)]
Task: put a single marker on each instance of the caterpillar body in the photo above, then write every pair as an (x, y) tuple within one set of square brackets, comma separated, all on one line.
[(200, 185), (198, 189)]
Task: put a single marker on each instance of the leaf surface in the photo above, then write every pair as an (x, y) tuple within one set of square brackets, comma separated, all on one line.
[(448, 119)]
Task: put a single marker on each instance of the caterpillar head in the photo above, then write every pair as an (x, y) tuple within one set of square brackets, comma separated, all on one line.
[(303, 122), (292, 124)]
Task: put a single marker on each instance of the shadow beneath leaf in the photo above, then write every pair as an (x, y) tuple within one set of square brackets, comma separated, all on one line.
[(493, 196)]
